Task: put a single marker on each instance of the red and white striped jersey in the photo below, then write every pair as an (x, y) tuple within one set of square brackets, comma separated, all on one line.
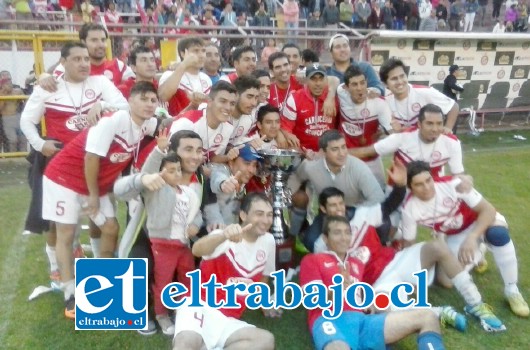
[(229, 78), (407, 147), (406, 111), (360, 122), (188, 83), (115, 139), (244, 127), (214, 141), (449, 212), (243, 262), (65, 110)]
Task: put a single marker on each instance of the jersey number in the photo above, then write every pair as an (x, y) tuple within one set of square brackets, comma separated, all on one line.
[(59, 209), (328, 328), (200, 319)]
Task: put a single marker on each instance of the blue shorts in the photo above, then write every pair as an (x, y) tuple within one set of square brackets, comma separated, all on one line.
[(359, 331)]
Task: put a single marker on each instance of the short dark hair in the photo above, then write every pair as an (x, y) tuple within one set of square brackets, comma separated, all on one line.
[(429, 108), (239, 51), (327, 137), (309, 55), (275, 56), (352, 72), (264, 110), (171, 157), (89, 27), (138, 50), (291, 45), (328, 220), (416, 167), (246, 202), (244, 83), (186, 43), (174, 141), (389, 65), (327, 193), (222, 85), (143, 87), (258, 73), (65, 50)]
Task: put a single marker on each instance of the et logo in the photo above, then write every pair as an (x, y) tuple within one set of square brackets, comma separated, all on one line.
[(111, 294)]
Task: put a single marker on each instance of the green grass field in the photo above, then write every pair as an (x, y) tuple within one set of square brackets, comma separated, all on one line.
[(498, 163)]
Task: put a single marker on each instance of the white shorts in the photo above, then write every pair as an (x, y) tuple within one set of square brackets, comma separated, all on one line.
[(455, 241), (62, 205), (212, 325), (402, 269)]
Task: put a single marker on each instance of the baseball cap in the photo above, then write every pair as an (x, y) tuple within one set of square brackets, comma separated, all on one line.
[(336, 36), (453, 68), (249, 154), (315, 69)]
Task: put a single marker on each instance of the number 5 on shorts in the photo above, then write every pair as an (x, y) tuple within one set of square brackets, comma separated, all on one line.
[(328, 328), (59, 208)]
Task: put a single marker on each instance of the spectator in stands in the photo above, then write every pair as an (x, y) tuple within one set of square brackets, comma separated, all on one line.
[(374, 20), (511, 14), (112, 16), (212, 63), (240, 7), (254, 6), (262, 19), (331, 16), (399, 19), (22, 12), (315, 21), (271, 7), (509, 27), (228, 16), (496, 9), (522, 16), (500, 27), (483, 7), (346, 11), (291, 13), (470, 8), (412, 14), (429, 24), (425, 7), (88, 11), (306, 8), (387, 15), (363, 11), (456, 11), (267, 51), (208, 16), (441, 11)]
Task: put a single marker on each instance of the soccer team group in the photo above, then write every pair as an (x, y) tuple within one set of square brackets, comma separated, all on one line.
[(183, 152)]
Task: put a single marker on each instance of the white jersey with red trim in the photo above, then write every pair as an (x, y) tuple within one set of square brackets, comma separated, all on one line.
[(243, 127), (66, 109), (360, 122), (214, 141), (115, 139), (406, 111), (449, 212), (407, 147), (243, 262), (189, 83), (229, 78)]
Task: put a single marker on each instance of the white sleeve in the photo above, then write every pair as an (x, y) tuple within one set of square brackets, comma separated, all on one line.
[(384, 114), (165, 76), (220, 249), (111, 96), (471, 198), (439, 99), (31, 116), (181, 124), (270, 246), (289, 111), (101, 135), (58, 71), (389, 144), (409, 227), (455, 161), (128, 73)]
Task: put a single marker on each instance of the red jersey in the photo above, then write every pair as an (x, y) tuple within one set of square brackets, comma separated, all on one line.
[(231, 77), (278, 96), (320, 268), (303, 116), (189, 83), (115, 70), (243, 262), (115, 139)]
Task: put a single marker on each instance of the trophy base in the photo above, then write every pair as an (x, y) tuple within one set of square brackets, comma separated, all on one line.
[(285, 255)]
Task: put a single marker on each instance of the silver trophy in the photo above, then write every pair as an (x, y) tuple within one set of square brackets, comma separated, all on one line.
[(280, 163)]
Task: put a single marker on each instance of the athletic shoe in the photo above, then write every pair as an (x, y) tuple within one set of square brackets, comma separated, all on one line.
[(150, 330), (488, 320), (450, 317), (69, 310), (518, 304), (55, 280), (165, 323)]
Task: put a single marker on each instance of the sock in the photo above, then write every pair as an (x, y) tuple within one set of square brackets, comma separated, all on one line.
[(467, 288), (95, 243), (52, 258), (506, 261), (69, 289), (430, 341)]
